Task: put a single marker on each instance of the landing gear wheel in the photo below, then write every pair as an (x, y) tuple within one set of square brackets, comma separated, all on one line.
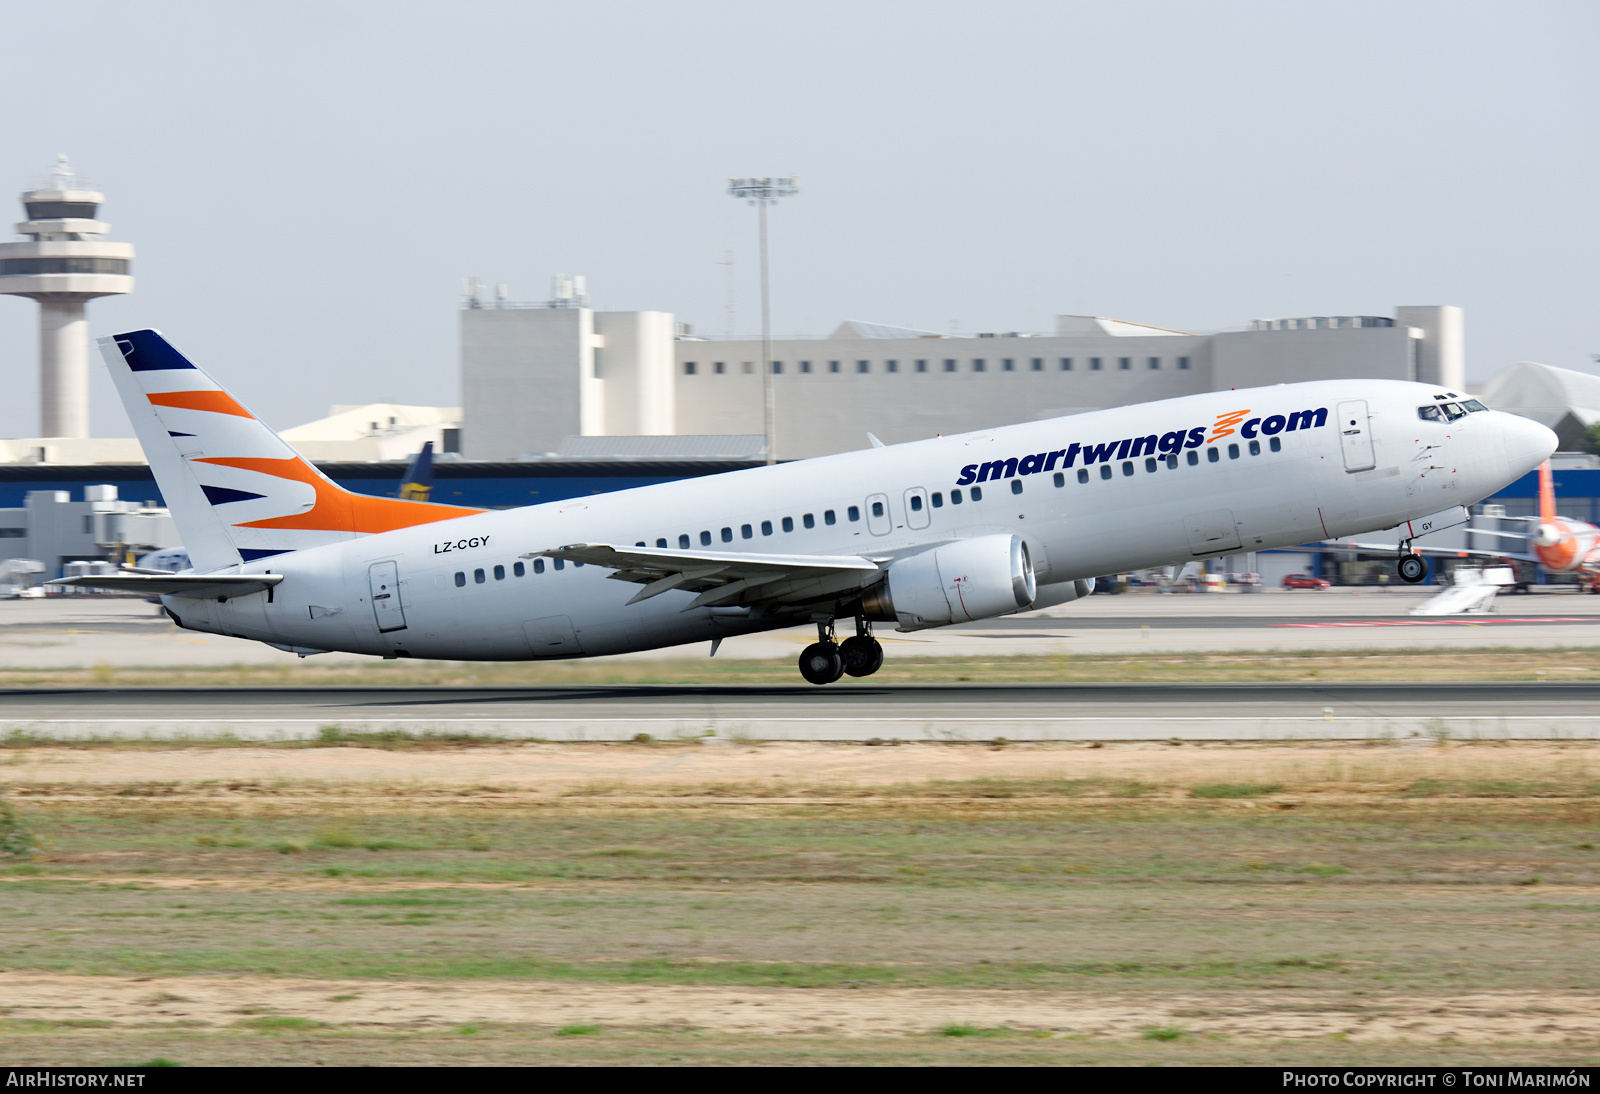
[(1412, 568), (862, 654), (820, 663)]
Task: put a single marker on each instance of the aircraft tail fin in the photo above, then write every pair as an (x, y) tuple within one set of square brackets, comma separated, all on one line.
[(237, 491), (417, 483), (1547, 494)]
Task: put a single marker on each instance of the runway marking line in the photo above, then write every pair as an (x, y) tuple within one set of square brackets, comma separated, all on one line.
[(1446, 622)]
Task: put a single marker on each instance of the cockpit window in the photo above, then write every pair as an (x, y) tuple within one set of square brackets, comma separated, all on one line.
[(1474, 406), (1429, 414), (1454, 411)]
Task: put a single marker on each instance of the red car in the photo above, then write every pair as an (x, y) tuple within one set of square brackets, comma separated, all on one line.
[(1305, 581)]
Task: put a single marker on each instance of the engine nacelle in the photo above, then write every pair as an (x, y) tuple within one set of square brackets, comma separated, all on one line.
[(1061, 592), (959, 582)]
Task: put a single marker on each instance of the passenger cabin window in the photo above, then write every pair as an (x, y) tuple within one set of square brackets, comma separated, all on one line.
[(1127, 467), (1172, 461), (478, 576), (538, 565), (955, 497), (705, 538), (662, 542), (461, 579), (916, 505), (1061, 480), (766, 527), (828, 517), (683, 542), (938, 500), (746, 532), (809, 521), (1276, 444), (977, 493), (1083, 474), (1213, 455), (1105, 471), (1255, 448), (499, 573), (1016, 486), (1150, 463), (1194, 458), (727, 535), (788, 524), (518, 570), (561, 564), (1233, 452), (877, 507), (854, 512)]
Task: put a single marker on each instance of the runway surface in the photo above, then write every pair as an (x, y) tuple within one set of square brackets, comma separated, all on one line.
[(841, 712)]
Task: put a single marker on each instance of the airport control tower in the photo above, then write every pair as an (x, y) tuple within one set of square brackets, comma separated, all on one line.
[(63, 265)]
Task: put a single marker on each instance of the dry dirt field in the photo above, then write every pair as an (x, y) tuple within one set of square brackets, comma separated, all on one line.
[(792, 903)]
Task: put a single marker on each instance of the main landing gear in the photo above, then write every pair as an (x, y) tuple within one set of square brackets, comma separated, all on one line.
[(1412, 566), (825, 660)]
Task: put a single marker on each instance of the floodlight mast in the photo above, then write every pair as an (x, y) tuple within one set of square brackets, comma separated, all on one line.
[(762, 193)]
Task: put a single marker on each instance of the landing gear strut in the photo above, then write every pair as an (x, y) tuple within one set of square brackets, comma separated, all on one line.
[(1413, 567), (826, 659)]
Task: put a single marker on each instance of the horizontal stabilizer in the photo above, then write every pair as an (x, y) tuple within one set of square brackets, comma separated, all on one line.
[(197, 585)]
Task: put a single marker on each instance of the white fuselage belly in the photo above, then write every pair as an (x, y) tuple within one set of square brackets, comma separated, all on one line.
[(1077, 530)]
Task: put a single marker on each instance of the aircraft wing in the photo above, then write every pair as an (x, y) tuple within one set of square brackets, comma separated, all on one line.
[(723, 578), (197, 585)]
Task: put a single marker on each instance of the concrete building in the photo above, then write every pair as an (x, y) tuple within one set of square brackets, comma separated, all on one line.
[(63, 265), (56, 530), (534, 375)]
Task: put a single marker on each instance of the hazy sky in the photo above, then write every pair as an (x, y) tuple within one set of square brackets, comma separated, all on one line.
[(308, 184)]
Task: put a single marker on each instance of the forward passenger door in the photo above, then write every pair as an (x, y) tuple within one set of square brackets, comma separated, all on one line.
[(1355, 436)]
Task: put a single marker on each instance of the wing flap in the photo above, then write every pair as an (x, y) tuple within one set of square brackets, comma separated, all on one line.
[(721, 578), (196, 585)]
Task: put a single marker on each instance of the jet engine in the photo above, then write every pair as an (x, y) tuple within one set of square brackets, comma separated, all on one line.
[(956, 583)]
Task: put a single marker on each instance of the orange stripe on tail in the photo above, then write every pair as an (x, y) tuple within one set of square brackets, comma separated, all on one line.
[(1547, 494), (337, 509), (218, 402)]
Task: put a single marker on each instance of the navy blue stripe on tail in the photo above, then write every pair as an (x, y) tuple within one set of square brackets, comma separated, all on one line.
[(250, 554), (222, 495), (147, 351)]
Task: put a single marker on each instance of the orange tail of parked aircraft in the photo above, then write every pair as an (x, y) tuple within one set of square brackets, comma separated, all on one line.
[(1547, 494)]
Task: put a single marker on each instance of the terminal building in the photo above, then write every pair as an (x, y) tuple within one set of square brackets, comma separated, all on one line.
[(535, 375)]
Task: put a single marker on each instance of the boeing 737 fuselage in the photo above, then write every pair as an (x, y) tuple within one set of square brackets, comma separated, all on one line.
[(923, 534)]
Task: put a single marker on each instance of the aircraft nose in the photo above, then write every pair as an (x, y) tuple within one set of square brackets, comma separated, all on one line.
[(1528, 444)]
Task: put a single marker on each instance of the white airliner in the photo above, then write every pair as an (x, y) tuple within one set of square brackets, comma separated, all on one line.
[(922, 535)]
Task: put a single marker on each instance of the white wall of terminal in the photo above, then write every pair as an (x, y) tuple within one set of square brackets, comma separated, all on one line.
[(533, 376)]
